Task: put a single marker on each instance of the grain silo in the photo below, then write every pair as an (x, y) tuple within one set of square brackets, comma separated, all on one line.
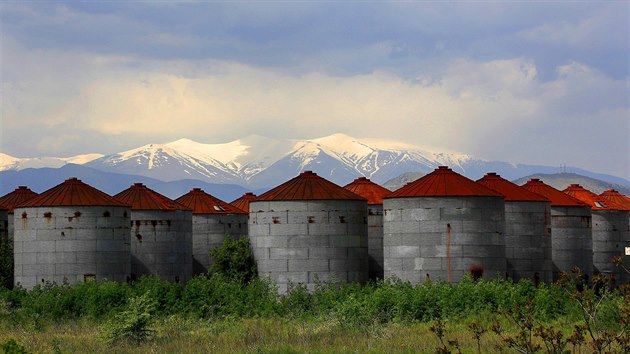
[(71, 233), (571, 235), (374, 195), (308, 230), (4, 222), (527, 230), (610, 230), (213, 220), (243, 201), (623, 200), (161, 235), (443, 226), (10, 200)]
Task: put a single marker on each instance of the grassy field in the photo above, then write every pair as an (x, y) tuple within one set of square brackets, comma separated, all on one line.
[(175, 334)]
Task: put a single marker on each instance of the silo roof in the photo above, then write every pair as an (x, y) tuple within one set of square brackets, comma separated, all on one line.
[(443, 182), (203, 203), (140, 197), (72, 192), (593, 200), (20, 195), (368, 190), (308, 186), (617, 197), (243, 201), (556, 197), (511, 191)]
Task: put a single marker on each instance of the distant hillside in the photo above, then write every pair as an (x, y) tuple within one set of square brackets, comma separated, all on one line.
[(563, 180), (42, 179), (401, 180)]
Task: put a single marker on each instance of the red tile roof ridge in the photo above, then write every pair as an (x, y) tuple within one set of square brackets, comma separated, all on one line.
[(201, 202), (308, 186), (72, 192), (511, 191), (617, 197), (443, 182), (365, 188), (140, 197), (593, 200), (19, 195), (243, 201), (557, 198)]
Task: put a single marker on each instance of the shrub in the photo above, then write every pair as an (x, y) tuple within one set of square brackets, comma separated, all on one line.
[(234, 260), (6, 263), (12, 347), (133, 323)]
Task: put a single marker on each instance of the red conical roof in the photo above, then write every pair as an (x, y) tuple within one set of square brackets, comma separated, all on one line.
[(72, 192), (443, 182), (203, 203), (142, 198), (617, 197), (243, 201), (308, 186), (593, 200), (368, 190), (19, 195), (509, 190), (556, 197)]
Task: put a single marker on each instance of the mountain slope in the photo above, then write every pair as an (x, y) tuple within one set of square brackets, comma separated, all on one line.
[(561, 181)]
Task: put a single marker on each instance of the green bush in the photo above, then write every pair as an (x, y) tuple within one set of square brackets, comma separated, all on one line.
[(6, 263), (234, 260), (12, 347), (133, 324)]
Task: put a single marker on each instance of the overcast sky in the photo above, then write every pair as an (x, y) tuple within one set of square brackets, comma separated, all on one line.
[(542, 83)]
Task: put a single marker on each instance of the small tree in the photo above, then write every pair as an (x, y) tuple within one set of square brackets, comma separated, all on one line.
[(234, 260), (6, 263), (133, 323)]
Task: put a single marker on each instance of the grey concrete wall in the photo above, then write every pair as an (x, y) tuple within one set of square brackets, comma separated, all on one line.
[(375, 241), (310, 241), (528, 240), (10, 226), (161, 244), (610, 234), (571, 240), (625, 276), (4, 224), (415, 237), (209, 231), (56, 244)]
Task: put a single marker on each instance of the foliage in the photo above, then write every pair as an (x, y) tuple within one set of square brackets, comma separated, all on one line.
[(12, 347), (6, 263), (234, 260), (133, 324)]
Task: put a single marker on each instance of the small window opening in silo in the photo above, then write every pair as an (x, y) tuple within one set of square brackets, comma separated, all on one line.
[(342, 219), (139, 237), (48, 215), (168, 223), (311, 219), (89, 277), (24, 215), (77, 214), (371, 212), (218, 208), (177, 278), (154, 223), (63, 233), (276, 219), (106, 214), (138, 223), (229, 225), (600, 205), (124, 214)]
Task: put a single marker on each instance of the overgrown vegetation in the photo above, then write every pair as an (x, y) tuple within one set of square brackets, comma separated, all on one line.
[(234, 260), (6, 263)]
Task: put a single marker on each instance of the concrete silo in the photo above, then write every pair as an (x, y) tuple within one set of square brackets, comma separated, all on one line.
[(308, 230), (443, 226), (527, 230), (610, 230), (4, 222), (571, 235), (374, 195), (624, 201), (71, 233), (213, 220), (243, 201), (161, 234), (10, 200)]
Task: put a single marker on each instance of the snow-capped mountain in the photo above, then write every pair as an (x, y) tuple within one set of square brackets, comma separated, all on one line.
[(258, 162), (15, 163)]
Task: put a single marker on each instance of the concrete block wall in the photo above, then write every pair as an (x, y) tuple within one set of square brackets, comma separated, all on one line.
[(71, 244), (209, 231), (625, 276), (416, 231), (161, 244), (528, 240), (610, 236), (571, 240), (375, 241), (10, 228), (309, 241)]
